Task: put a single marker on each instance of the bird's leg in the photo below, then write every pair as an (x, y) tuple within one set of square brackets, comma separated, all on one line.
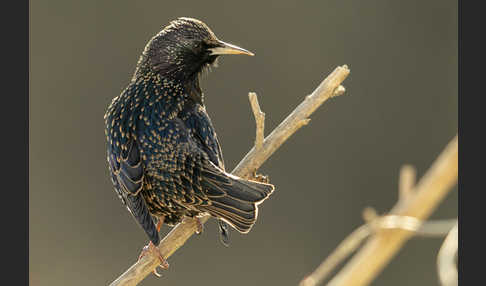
[(200, 226), (155, 250), (160, 223), (260, 178)]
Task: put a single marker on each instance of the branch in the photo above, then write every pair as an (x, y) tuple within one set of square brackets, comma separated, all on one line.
[(405, 218), (423, 199), (354, 240), (328, 88), (446, 266), (342, 251)]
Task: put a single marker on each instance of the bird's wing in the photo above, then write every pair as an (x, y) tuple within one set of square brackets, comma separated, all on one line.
[(128, 178), (127, 168), (197, 184), (183, 177), (202, 128), (205, 134)]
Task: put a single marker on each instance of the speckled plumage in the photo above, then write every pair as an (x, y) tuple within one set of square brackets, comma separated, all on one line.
[(163, 152)]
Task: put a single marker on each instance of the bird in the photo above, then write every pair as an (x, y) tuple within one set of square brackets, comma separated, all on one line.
[(163, 153)]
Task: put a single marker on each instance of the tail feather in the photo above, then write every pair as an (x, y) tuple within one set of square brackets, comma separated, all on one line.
[(250, 191), (236, 201), (243, 227), (241, 215)]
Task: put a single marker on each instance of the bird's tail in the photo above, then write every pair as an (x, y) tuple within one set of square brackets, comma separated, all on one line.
[(236, 201)]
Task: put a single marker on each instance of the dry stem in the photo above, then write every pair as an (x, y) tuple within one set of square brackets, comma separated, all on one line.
[(385, 243), (414, 205), (354, 240), (253, 160), (446, 265)]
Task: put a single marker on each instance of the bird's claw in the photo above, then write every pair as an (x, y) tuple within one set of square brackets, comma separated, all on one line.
[(260, 178), (157, 273), (154, 250), (199, 226)]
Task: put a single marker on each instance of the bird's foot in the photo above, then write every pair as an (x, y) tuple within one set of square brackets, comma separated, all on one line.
[(155, 251), (224, 233), (261, 178), (200, 226)]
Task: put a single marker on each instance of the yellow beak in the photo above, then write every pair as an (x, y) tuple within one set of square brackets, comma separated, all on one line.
[(229, 49)]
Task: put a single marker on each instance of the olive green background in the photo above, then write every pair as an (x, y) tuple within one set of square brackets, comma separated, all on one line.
[(400, 106)]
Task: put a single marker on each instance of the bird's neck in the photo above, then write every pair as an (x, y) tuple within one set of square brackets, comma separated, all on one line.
[(180, 77), (165, 96)]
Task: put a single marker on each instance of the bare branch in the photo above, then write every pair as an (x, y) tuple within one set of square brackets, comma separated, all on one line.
[(259, 119), (338, 91), (442, 170), (385, 243), (252, 161), (298, 118), (374, 223), (342, 251), (446, 266)]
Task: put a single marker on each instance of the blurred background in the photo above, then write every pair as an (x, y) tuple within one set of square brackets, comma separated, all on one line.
[(400, 106)]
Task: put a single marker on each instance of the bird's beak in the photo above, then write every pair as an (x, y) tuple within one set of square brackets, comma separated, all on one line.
[(229, 49)]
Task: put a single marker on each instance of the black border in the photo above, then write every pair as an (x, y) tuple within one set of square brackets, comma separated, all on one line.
[(15, 142), (471, 142)]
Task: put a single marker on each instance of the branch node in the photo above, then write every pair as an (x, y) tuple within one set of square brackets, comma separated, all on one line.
[(369, 215), (406, 182), (338, 91), (304, 122)]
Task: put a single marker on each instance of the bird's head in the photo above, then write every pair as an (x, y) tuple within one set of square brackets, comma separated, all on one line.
[(184, 48)]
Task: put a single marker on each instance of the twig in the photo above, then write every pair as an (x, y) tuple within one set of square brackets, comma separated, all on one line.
[(440, 177), (446, 266), (252, 161), (385, 243), (330, 87), (426, 228), (406, 181), (420, 228), (259, 119), (374, 222), (343, 250)]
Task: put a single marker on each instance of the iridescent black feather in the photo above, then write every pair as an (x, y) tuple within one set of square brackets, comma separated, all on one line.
[(163, 152)]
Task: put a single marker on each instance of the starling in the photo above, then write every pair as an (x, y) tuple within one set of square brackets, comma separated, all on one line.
[(163, 152)]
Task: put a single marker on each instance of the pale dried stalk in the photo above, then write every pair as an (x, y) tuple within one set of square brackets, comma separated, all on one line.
[(354, 240), (330, 87), (343, 250), (440, 177), (259, 120), (446, 265), (298, 118), (385, 243)]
